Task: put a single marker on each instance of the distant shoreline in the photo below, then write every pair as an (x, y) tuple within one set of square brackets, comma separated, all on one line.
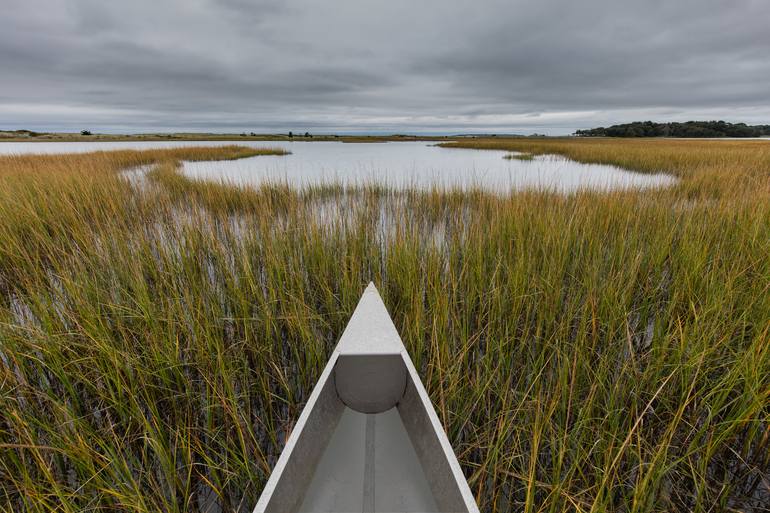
[(649, 130), (686, 130), (29, 136)]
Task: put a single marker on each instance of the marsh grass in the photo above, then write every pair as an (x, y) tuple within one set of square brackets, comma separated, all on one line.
[(519, 156), (591, 352)]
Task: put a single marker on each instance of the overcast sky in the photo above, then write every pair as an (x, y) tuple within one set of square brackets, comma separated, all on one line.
[(384, 66)]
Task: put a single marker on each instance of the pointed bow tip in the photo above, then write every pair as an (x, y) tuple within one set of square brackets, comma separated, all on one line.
[(370, 329)]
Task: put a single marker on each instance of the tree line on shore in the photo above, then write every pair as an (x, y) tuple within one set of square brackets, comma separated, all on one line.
[(686, 129)]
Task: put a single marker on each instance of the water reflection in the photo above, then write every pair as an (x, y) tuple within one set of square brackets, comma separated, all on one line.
[(397, 164), (419, 165)]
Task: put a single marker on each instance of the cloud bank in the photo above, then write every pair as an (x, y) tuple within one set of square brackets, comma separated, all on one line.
[(396, 66)]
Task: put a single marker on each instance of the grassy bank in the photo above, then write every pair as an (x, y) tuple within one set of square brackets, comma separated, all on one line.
[(707, 167), (595, 352)]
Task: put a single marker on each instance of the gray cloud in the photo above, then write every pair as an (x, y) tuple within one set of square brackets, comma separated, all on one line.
[(348, 65)]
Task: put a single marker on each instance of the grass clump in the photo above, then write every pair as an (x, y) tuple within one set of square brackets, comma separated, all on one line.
[(591, 352), (519, 156)]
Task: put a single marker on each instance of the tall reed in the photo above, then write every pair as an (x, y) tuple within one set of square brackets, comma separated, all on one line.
[(590, 352)]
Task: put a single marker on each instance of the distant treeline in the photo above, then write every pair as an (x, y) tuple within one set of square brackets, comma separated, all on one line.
[(687, 129)]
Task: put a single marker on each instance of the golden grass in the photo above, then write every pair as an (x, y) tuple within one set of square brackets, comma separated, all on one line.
[(591, 352), (704, 165)]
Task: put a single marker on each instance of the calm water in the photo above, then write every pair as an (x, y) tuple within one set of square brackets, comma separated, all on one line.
[(397, 164), (37, 148), (419, 164)]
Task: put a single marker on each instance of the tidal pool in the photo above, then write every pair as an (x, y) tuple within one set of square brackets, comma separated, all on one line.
[(397, 164), (420, 165)]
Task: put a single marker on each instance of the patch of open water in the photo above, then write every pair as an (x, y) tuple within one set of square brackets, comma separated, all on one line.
[(420, 165), (396, 164)]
